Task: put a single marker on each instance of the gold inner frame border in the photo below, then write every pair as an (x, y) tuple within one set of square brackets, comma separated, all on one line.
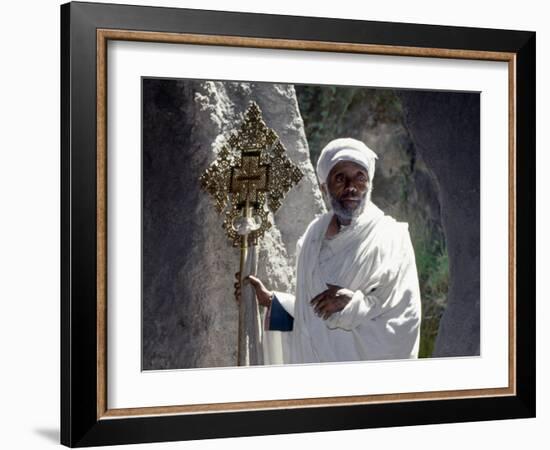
[(103, 36)]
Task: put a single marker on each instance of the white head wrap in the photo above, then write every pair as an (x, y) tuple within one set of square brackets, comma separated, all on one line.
[(345, 149)]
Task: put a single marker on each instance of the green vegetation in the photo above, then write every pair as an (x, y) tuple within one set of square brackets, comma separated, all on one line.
[(330, 111), (432, 263)]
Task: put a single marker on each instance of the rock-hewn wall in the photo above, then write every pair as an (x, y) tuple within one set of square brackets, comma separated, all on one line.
[(445, 130), (189, 312)]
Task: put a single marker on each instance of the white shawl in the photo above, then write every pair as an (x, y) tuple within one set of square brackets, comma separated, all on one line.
[(374, 258)]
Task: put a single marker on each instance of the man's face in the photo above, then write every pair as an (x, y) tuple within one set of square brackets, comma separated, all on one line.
[(347, 185)]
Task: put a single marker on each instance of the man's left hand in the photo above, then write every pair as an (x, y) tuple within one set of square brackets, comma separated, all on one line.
[(334, 299)]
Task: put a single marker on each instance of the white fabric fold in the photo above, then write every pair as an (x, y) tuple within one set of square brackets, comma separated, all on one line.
[(374, 258)]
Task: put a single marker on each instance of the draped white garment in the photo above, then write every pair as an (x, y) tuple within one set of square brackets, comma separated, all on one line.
[(374, 258)]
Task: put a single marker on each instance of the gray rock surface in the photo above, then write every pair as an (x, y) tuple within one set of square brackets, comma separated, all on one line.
[(190, 315), (445, 130)]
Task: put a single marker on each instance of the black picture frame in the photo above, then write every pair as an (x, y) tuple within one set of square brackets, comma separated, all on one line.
[(80, 424)]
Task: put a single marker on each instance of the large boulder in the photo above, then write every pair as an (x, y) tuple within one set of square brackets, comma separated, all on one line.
[(446, 132), (190, 316)]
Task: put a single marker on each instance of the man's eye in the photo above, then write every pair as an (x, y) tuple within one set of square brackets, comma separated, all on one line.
[(339, 178)]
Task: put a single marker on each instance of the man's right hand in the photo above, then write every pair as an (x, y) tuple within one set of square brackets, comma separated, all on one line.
[(262, 294)]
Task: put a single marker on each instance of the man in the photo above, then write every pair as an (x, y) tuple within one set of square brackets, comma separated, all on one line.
[(357, 294)]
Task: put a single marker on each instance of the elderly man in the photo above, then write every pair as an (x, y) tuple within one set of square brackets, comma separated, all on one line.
[(357, 294)]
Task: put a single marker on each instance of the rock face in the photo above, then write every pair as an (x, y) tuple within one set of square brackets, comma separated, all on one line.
[(445, 130), (190, 315)]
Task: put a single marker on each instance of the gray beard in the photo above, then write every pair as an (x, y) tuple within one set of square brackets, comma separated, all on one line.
[(344, 213)]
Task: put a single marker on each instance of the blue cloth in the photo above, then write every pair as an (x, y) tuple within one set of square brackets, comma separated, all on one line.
[(280, 320)]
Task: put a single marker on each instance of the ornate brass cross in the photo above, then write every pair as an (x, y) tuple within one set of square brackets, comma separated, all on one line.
[(250, 178), (251, 172)]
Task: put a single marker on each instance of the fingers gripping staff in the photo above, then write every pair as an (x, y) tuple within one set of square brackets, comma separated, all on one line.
[(251, 176)]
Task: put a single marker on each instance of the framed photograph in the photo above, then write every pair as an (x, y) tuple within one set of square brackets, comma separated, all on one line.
[(279, 224)]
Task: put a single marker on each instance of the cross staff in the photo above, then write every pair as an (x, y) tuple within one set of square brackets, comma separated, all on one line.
[(251, 172)]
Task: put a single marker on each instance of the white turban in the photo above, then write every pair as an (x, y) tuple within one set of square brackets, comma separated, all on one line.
[(345, 149)]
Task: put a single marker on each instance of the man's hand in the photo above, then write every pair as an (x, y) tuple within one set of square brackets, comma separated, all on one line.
[(262, 294), (334, 299)]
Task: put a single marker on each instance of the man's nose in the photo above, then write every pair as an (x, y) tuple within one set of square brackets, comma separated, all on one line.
[(349, 186)]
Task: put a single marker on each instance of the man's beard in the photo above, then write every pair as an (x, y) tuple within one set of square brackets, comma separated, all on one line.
[(347, 214)]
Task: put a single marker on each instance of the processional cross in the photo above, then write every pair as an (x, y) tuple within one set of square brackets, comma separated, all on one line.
[(251, 172)]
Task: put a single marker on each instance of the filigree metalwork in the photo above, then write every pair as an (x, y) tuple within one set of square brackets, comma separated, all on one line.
[(251, 172)]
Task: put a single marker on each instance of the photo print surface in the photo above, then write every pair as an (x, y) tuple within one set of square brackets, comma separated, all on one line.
[(391, 259)]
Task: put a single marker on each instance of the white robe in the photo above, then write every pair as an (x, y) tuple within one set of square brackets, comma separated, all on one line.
[(374, 258)]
